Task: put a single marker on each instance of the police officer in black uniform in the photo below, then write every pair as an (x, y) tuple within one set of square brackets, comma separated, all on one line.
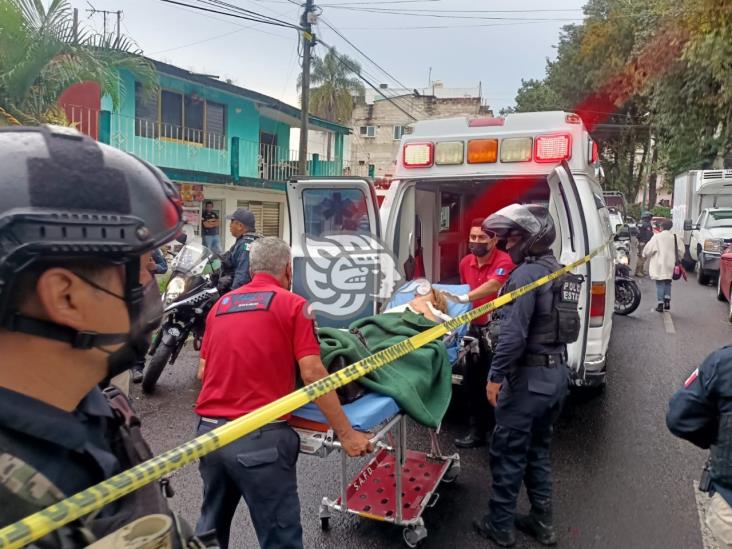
[(701, 412), (236, 260), (78, 223), (528, 378)]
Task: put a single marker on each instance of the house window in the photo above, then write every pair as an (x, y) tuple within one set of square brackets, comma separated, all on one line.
[(146, 112), (266, 216), (173, 115), (398, 132), (367, 131)]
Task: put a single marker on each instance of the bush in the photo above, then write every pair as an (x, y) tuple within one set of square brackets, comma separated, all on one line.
[(661, 211)]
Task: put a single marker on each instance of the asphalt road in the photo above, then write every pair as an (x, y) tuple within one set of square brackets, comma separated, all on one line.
[(621, 480)]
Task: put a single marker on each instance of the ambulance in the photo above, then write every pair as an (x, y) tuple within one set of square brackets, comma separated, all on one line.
[(451, 171)]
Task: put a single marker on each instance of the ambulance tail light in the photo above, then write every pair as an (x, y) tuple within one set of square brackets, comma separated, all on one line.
[(418, 155), (482, 151), (597, 304), (553, 148), (449, 153), (595, 153), (516, 149)]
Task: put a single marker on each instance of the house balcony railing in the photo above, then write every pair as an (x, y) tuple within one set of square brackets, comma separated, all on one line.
[(171, 146)]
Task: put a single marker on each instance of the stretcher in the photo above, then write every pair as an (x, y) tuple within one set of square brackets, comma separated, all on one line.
[(397, 484)]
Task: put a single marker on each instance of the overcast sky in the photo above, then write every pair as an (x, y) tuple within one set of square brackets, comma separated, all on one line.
[(507, 41)]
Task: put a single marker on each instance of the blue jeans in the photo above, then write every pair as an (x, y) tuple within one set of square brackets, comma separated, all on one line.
[(212, 242), (663, 290)]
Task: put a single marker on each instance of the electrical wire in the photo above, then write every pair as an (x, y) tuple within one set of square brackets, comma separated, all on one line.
[(222, 4), (229, 14), (404, 98)]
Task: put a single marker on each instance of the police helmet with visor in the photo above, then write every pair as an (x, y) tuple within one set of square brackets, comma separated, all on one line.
[(533, 225), (69, 200)]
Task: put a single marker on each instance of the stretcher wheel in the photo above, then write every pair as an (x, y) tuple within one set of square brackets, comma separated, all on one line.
[(452, 473), (325, 523), (414, 535)]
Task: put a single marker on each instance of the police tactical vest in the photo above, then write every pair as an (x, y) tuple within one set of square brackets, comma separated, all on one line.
[(562, 324), (24, 490), (721, 452)]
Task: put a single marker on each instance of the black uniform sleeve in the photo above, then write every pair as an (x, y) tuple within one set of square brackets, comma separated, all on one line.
[(693, 413), (514, 326)]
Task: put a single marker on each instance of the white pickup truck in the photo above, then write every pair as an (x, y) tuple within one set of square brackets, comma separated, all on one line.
[(709, 236)]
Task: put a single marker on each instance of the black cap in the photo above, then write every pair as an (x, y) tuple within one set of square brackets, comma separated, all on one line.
[(243, 216)]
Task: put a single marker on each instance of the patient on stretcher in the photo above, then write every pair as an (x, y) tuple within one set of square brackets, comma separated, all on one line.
[(433, 305)]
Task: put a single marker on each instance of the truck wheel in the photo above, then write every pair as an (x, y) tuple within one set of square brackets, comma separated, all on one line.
[(155, 368), (701, 275)]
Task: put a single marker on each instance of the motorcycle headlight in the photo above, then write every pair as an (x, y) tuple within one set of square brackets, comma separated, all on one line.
[(623, 260), (175, 288), (713, 245)]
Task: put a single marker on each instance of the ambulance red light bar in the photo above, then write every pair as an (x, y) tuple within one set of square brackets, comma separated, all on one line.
[(553, 148), (484, 122), (418, 155)]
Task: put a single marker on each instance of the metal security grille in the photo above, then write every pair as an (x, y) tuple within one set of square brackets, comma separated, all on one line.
[(266, 214)]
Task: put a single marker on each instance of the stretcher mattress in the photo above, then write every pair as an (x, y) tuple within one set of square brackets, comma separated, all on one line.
[(364, 414)]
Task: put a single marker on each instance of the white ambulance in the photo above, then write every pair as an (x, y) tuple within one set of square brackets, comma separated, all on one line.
[(454, 170)]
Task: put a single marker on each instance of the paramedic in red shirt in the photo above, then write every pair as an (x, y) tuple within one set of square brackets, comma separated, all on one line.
[(485, 270), (255, 336)]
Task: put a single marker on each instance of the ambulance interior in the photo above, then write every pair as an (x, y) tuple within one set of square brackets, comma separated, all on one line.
[(441, 212)]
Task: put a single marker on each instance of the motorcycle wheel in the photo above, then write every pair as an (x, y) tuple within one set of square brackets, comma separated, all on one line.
[(155, 368), (627, 297)]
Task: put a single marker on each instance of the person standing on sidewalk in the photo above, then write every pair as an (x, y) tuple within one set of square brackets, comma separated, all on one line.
[(645, 233), (662, 251), (210, 227)]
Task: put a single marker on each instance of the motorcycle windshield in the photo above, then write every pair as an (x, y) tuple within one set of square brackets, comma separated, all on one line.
[(192, 260)]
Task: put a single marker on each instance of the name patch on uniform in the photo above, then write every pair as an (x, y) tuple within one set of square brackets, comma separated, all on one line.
[(570, 292), (245, 303)]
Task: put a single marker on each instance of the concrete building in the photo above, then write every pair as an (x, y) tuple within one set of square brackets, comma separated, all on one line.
[(378, 124), (215, 140)]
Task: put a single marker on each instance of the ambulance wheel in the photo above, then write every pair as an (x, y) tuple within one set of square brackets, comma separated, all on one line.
[(325, 523)]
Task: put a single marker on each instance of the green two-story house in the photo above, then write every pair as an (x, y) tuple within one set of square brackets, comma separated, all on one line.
[(217, 141)]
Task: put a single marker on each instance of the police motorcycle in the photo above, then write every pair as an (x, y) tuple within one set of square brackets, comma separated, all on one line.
[(627, 292), (189, 294)]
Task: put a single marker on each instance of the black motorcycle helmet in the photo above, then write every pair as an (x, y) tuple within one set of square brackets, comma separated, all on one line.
[(646, 216), (67, 198), (529, 221)]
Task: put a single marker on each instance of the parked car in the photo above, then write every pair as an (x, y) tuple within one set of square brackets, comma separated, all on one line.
[(709, 236), (724, 280)]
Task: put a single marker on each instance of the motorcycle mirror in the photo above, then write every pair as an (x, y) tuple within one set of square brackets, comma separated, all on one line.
[(182, 237)]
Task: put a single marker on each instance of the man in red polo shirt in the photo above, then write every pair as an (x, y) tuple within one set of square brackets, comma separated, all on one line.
[(255, 336), (485, 270)]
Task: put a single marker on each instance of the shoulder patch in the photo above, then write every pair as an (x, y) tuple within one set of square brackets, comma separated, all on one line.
[(691, 379), (245, 303), (500, 271)]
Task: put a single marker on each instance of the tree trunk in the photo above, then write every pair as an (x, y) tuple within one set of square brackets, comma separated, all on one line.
[(652, 178)]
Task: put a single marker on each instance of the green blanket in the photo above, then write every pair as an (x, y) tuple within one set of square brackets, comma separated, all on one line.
[(420, 382)]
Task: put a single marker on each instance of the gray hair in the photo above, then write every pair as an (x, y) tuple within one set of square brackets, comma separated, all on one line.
[(269, 254)]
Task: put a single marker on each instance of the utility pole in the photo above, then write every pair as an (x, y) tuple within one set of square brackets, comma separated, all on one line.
[(76, 25), (308, 40), (118, 13)]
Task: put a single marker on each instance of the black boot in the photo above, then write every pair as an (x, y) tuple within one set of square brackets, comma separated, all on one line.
[(659, 308), (539, 525), (137, 370), (502, 538), (667, 304), (474, 439)]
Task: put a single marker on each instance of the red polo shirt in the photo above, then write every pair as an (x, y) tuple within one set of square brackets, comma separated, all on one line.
[(497, 267), (254, 337)]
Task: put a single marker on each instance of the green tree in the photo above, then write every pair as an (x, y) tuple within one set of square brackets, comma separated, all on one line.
[(535, 95), (41, 55), (333, 84)]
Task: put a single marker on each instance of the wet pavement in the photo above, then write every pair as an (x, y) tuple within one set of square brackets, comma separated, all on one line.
[(621, 480)]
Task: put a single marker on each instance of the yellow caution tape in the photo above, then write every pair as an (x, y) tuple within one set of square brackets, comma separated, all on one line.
[(49, 519)]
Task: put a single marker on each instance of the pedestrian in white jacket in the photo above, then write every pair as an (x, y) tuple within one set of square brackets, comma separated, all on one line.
[(661, 251)]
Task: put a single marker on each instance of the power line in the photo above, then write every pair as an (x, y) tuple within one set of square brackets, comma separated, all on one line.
[(438, 27), (229, 14), (359, 50), (222, 4), (354, 70)]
